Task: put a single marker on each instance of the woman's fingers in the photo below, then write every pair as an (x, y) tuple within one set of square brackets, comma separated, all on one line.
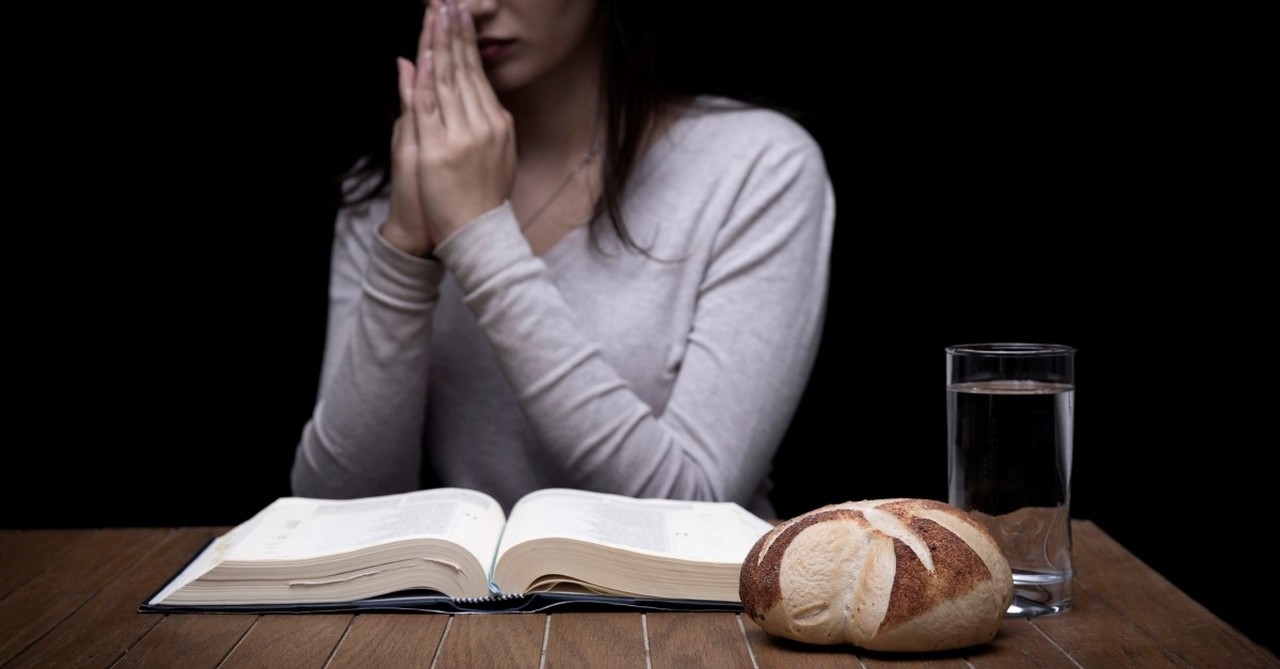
[(444, 57), (479, 96), (424, 37), (465, 140), (405, 227), (463, 92), (425, 100), (404, 82), (469, 74)]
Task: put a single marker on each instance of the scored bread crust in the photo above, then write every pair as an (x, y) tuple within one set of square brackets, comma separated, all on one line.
[(899, 574)]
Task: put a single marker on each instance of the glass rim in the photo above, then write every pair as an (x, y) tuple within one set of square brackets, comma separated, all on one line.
[(1011, 349)]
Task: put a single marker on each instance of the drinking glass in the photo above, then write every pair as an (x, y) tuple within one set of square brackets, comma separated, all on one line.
[(1010, 414)]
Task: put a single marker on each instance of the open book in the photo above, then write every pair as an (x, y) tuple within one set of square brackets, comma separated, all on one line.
[(412, 549)]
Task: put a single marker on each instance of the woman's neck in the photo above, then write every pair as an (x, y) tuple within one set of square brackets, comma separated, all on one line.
[(559, 116)]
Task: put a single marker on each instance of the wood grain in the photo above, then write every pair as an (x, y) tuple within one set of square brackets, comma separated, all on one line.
[(30, 552), (106, 624), (505, 640), (1154, 605), (596, 640), (289, 641), (90, 564), (697, 640), (777, 653), (390, 640), (913, 660), (1020, 645), (71, 599), (190, 640), (1095, 636)]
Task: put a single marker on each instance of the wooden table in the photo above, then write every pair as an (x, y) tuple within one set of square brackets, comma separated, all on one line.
[(69, 598)]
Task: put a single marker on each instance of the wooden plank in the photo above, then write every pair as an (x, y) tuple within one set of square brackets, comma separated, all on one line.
[(773, 652), (103, 628), (596, 640), (289, 641), (190, 639), (1144, 598), (696, 640), (73, 595), (27, 553), (502, 640), (43, 603), (1095, 636), (390, 640), (874, 660), (1019, 645)]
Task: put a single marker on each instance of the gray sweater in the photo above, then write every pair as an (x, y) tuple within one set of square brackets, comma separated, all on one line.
[(672, 376)]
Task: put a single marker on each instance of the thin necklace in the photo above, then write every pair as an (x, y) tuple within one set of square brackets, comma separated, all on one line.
[(586, 160)]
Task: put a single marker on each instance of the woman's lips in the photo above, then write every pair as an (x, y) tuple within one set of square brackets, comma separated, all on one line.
[(492, 49)]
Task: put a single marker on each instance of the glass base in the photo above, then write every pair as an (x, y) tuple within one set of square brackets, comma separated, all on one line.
[(1039, 593), (1026, 608)]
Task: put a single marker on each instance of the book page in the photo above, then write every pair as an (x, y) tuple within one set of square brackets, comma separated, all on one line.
[(299, 527), (293, 528), (696, 531)]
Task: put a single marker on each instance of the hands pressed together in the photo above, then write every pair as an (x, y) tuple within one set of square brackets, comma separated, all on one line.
[(453, 150)]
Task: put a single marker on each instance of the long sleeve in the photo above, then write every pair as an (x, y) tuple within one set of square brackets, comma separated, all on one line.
[(738, 329), (669, 373), (365, 435)]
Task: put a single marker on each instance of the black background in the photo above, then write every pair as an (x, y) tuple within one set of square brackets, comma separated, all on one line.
[(1032, 177)]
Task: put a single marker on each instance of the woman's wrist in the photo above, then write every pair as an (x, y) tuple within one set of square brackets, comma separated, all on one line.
[(412, 242)]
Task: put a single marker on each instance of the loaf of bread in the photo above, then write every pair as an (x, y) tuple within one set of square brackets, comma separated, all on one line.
[(889, 574)]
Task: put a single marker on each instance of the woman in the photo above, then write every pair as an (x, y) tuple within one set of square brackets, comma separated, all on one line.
[(574, 279)]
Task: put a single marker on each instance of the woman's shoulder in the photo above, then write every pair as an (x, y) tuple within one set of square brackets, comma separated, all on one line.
[(725, 136), (730, 122), (716, 138)]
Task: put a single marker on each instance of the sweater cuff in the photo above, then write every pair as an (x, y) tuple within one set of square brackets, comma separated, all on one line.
[(400, 276), (490, 243)]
